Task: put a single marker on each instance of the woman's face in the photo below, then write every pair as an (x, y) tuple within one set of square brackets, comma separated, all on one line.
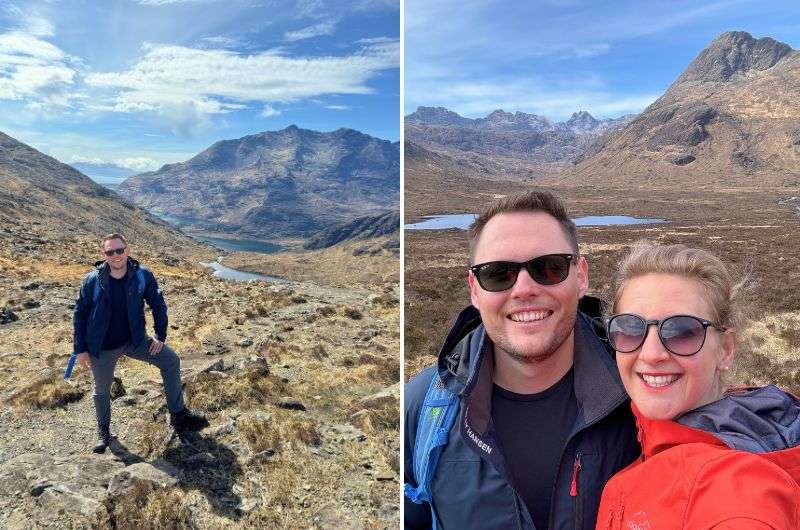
[(661, 384)]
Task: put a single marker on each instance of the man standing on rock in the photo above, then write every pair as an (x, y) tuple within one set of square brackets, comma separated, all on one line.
[(109, 323), (535, 416)]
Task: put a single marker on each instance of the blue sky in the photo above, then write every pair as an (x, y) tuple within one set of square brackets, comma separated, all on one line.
[(554, 57), (140, 83)]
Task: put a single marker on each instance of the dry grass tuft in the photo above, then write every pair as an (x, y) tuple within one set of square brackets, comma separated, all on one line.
[(146, 509), (352, 312), (243, 391), (278, 432), (325, 311), (46, 393)]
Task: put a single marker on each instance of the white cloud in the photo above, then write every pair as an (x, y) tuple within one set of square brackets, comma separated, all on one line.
[(140, 163), (79, 159), (38, 26), (188, 84), (270, 111), (35, 70), (337, 107), (136, 164), (317, 30)]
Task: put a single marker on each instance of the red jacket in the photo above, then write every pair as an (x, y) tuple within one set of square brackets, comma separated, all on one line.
[(689, 478)]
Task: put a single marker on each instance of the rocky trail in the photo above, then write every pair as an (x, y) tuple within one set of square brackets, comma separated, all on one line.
[(299, 382)]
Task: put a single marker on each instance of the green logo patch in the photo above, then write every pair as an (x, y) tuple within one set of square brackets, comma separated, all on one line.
[(435, 411)]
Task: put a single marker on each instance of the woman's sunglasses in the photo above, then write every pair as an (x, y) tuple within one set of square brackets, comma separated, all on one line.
[(680, 334), (496, 276)]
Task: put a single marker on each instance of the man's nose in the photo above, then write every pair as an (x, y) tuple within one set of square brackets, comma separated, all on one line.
[(652, 350), (525, 286)]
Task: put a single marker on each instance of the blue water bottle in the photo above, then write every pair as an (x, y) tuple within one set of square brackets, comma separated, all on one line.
[(70, 366)]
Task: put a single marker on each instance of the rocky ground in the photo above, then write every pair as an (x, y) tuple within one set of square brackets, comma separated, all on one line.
[(299, 382)]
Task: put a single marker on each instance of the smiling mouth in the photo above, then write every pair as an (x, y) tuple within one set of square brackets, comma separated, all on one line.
[(529, 316), (659, 381)]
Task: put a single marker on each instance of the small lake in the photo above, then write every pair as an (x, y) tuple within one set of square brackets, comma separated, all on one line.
[(240, 245), (227, 273), (463, 220)]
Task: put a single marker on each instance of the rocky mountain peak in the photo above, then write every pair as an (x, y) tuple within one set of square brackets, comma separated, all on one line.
[(437, 116), (734, 52), (582, 120)]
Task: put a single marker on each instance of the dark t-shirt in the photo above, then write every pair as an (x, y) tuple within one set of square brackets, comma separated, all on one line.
[(119, 331), (532, 430)]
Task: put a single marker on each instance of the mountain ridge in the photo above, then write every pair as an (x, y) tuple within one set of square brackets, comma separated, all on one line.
[(286, 183), (730, 119)]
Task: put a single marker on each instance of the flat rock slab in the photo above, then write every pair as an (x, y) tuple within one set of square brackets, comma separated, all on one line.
[(63, 489), (143, 473)]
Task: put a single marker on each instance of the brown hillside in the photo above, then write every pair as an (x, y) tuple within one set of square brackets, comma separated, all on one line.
[(730, 120)]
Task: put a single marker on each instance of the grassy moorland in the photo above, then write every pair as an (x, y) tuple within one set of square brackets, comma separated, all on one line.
[(754, 231)]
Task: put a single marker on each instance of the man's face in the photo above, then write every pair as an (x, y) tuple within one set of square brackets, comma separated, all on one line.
[(116, 261), (530, 322)]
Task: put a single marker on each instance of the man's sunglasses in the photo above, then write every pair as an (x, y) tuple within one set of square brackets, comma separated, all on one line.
[(496, 276), (680, 334), (117, 251)]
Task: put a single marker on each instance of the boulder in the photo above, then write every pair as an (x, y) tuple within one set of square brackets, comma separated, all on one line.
[(290, 404), (143, 473), (389, 396)]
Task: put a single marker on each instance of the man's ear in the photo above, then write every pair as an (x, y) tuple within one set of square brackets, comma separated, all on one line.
[(473, 289), (583, 276)]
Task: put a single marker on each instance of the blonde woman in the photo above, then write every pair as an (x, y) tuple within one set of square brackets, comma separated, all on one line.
[(710, 459)]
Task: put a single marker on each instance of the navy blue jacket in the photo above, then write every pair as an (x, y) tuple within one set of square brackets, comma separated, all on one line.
[(472, 487), (91, 316)]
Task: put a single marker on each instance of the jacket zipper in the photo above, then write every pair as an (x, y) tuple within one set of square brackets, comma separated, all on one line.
[(573, 488), (566, 445)]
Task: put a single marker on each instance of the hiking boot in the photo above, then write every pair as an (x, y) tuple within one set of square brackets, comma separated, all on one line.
[(188, 421), (103, 439)]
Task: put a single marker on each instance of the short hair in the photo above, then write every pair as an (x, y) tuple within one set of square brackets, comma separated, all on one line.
[(530, 201), (113, 236), (721, 290)]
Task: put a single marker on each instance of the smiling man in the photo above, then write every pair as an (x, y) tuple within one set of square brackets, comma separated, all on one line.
[(541, 420), (109, 323)]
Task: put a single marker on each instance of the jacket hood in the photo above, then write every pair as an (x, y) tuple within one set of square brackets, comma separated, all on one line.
[(757, 421)]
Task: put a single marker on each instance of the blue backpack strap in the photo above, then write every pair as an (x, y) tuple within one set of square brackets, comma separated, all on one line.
[(436, 417), (141, 279)]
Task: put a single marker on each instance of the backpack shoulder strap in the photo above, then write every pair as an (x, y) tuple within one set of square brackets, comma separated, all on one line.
[(141, 279), (436, 417)]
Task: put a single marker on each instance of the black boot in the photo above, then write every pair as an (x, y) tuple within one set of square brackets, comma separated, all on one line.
[(103, 439), (187, 420)]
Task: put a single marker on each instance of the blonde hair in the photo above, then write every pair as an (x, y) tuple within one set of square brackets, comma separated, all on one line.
[(722, 291)]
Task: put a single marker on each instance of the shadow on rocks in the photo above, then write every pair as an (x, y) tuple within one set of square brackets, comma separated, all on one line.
[(211, 468), (121, 452)]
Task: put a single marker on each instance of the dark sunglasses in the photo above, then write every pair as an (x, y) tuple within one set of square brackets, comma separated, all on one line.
[(117, 251), (496, 276), (680, 334)]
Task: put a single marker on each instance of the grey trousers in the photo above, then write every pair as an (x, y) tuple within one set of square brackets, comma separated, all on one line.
[(103, 371)]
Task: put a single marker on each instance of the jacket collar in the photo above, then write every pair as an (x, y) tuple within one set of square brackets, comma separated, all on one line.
[(657, 436), (466, 367), (103, 270)]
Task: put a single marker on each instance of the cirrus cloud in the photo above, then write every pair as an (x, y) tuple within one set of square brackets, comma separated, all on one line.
[(192, 83)]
